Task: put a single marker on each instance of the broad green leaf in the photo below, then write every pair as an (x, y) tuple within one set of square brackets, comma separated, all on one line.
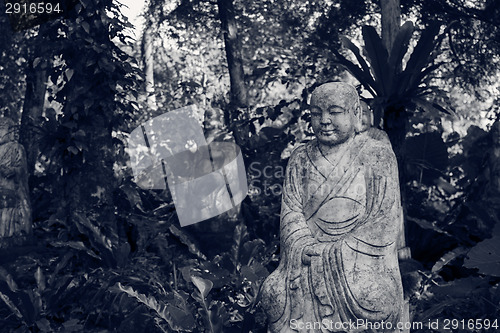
[(425, 45), (239, 236), (193, 248), (40, 279), (378, 57), (424, 224), (356, 71), (486, 255), (97, 234), (400, 46), (44, 325), (217, 316), (447, 258), (77, 245), (430, 107), (413, 87), (203, 285), (251, 249), (419, 59), (86, 27), (426, 156), (366, 69), (9, 298), (180, 320), (10, 304), (73, 325), (7, 277), (460, 288)]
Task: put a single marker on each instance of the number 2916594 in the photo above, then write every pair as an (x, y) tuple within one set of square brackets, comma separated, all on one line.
[(32, 8)]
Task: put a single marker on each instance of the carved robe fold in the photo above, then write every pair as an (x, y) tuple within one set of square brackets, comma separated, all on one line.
[(347, 208)]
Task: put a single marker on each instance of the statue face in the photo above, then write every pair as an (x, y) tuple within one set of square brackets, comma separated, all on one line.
[(332, 116)]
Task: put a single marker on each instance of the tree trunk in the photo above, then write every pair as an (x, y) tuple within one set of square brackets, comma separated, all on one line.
[(494, 159), (235, 115), (36, 78), (395, 124), (391, 21), (148, 59), (232, 44), (395, 118)]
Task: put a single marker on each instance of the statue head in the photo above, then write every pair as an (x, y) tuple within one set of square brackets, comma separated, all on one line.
[(7, 133), (335, 113)]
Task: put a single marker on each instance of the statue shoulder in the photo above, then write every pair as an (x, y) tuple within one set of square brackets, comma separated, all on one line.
[(299, 151), (298, 155), (377, 135)]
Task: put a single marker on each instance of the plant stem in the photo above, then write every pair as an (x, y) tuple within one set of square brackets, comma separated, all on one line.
[(175, 276)]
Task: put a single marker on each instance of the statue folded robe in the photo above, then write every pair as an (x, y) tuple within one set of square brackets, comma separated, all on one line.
[(348, 210)]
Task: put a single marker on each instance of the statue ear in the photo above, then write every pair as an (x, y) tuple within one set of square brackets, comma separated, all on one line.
[(358, 118)]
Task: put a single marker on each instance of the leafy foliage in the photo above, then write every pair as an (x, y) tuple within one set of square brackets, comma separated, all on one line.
[(383, 75), (472, 37)]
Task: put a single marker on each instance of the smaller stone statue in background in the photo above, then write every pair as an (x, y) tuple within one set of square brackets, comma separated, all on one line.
[(15, 209)]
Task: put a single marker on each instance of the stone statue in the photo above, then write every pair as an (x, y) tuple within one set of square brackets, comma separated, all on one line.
[(15, 210), (340, 227)]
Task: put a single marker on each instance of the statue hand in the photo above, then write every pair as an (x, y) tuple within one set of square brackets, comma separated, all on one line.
[(308, 252)]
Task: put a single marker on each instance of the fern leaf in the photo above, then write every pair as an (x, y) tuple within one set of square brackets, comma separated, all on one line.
[(176, 318), (10, 304)]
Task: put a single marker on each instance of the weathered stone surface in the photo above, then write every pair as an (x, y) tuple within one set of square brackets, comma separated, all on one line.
[(15, 210), (340, 227)]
